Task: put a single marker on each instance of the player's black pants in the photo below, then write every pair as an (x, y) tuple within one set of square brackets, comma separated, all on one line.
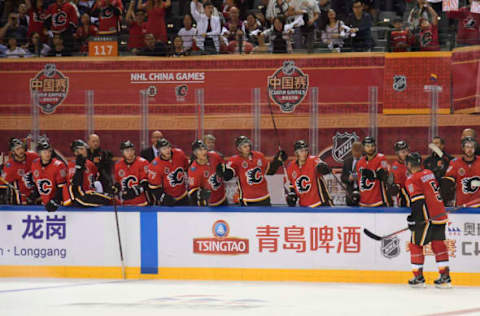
[(79, 198), (427, 232), (265, 202)]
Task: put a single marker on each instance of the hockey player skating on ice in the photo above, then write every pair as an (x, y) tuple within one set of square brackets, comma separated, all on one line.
[(250, 167), (427, 222), (82, 174), (373, 171), (167, 175), (306, 181), (205, 187), (131, 176), (464, 174), (49, 176), (399, 173)]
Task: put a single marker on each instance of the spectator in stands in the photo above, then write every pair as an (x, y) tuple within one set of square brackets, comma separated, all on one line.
[(85, 6), (421, 11), (156, 11), (84, 31), (343, 8), (322, 21), (152, 47), (12, 29), (3, 50), (251, 28), (36, 48), (371, 7), (108, 13), (58, 49), (227, 5), (428, 35), (279, 36), (275, 9), (233, 32), (361, 23), (400, 38), (137, 28), (62, 18), (187, 33), (13, 50), (468, 25), (151, 152), (310, 12), (208, 27), (37, 15), (22, 15), (436, 5), (178, 50), (335, 32), (244, 6)]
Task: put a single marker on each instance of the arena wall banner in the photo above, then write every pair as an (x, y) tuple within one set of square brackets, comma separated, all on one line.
[(466, 80), (278, 243)]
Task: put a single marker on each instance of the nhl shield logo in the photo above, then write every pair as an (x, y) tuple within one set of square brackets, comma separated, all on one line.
[(390, 247), (342, 145), (51, 88), (288, 86), (399, 83)]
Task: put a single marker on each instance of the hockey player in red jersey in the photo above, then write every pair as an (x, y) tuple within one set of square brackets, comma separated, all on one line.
[(167, 175), (17, 172), (250, 167), (81, 176), (373, 171), (427, 221), (306, 181), (205, 187), (49, 176), (399, 173), (131, 176), (464, 173)]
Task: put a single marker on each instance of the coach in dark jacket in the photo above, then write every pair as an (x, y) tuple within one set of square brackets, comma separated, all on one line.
[(436, 163), (103, 160), (151, 152), (349, 174)]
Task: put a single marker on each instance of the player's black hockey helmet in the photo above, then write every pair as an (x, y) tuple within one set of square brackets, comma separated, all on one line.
[(240, 140), (300, 144), (415, 159), (126, 144), (78, 143), (15, 142), (43, 144), (163, 142), (469, 139), (368, 140), (198, 144), (401, 144)]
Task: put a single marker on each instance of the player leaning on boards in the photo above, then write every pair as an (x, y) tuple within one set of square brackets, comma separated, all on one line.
[(17, 181), (82, 174), (131, 177), (250, 167), (167, 176), (426, 221), (205, 187), (373, 171), (464, 174), (305, 176)]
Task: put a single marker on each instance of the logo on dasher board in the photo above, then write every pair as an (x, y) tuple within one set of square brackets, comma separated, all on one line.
[(220, 243), (390, 247), (288, 86)]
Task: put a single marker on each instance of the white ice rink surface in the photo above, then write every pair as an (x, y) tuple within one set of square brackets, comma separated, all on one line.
[(198, 298)]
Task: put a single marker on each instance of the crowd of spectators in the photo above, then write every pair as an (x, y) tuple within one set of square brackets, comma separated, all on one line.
[(30, 28)]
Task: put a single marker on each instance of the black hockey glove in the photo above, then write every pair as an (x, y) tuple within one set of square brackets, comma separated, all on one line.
[(52, 205), (382, 174), (132, 192), (80, 162), (369, 174), (292, 199), (281, 155), (322, 168), (203, 196), (411, 222)]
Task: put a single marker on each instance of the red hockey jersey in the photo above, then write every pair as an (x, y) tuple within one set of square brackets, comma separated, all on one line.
[(36, 20), (463, 174), (19, 174), (251, 176), (109, 16), (468, 26), (48, 178), (372, 193), (89, 177), (62, 16), (422, 185), (132, 174), (307, 182), (204, 176), (170, 175)]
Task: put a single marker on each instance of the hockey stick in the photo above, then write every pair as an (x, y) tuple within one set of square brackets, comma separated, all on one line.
[(119, 238), (339, 182), (435, 149), (287, 183), (377, 237)]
